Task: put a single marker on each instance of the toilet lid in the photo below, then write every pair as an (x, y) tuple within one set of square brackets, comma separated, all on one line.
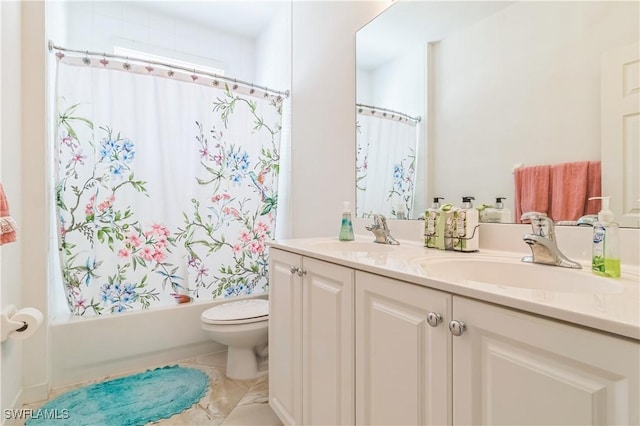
[(248, 310)]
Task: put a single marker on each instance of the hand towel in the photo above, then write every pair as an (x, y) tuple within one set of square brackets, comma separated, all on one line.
[(531, 190), (568, 190), (594, 188), (7, 224)]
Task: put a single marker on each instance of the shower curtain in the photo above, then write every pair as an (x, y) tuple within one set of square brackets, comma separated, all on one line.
[(165, 188), (385, 165)]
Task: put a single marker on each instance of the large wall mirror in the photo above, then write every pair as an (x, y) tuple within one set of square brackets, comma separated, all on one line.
[(499, 99)]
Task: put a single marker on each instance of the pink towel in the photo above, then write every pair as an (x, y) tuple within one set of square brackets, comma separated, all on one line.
[(594, 188), (569, 190), (532, 190), (7, 224)]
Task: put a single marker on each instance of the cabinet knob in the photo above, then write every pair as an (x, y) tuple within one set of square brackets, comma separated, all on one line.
[(457, 327), (301, 272), (294, 270), (433, 319)]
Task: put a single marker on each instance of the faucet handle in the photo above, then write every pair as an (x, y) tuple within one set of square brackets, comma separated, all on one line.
[(541, 224), (380, 221)]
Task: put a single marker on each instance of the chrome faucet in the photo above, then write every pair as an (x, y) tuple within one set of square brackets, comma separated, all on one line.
[(542, 243), (381, 230)]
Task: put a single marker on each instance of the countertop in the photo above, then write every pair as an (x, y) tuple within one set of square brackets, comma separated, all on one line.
[(613, 307)]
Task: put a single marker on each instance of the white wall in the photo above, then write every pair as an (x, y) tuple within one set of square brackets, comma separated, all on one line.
[(10, 169), (497, 103), (323, 112)]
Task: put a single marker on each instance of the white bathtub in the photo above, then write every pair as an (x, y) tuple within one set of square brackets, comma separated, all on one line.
[(85, 349)]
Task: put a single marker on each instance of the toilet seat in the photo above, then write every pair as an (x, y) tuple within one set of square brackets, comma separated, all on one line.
[(238, 312)]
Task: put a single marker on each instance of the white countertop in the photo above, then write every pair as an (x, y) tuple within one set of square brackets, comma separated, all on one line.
[(614, 309)]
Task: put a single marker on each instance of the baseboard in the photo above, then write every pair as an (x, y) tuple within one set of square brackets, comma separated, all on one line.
[(7, 418), (35, 393)]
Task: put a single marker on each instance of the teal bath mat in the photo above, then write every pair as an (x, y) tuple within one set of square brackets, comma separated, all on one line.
[(132, 400)]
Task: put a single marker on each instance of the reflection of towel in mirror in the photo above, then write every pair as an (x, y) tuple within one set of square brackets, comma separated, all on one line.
[(568, 190), (532, 190), (594, 188), (7, 224)]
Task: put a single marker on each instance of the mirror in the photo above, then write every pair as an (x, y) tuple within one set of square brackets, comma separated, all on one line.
[(498, 87)]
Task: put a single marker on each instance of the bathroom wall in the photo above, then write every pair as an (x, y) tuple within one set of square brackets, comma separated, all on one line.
[(525, 95), (10, 273), (323, 111), (397, 84)]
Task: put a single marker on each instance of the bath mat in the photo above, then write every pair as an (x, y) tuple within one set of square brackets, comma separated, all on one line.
[(132, 400)]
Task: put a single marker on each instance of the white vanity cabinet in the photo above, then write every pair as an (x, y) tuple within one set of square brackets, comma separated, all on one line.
[(353, 347), (403, 353), (311, 341), (514, 368)]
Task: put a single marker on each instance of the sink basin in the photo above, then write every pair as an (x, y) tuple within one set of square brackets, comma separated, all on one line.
[(354, 246), (515, 274)]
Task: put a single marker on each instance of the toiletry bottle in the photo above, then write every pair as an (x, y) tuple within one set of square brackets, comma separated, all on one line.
[(445, 225), (497, 214), (401, 211), (466, 234), (430, 218), (605, 258), (346, 227)]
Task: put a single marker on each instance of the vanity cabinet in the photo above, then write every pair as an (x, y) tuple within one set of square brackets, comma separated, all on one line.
[(403, 353), (352, 347), (515, 368), (311, 349)]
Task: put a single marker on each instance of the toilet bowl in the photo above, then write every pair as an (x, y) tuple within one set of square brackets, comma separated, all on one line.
[(242, 326)]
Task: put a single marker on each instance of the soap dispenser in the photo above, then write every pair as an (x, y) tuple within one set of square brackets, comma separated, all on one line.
[(497, 214), (346, 225), (430, 219), (605, 258), (466, 235)]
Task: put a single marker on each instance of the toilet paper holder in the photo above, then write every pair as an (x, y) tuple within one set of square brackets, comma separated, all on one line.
[(8, 326)]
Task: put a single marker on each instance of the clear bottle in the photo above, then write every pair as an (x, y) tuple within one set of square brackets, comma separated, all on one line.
[(466, 234), (346, 226), (605, 259)]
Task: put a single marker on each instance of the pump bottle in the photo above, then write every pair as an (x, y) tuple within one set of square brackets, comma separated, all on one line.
[(430, 220), (605, 258), (346, 225)]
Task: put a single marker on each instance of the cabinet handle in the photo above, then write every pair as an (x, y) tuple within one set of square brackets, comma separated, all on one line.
[(457, 327), (433, 319), (302, 272), (294, 270)]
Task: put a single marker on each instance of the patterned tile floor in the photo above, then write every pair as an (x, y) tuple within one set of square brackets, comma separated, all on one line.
[(227, 402)]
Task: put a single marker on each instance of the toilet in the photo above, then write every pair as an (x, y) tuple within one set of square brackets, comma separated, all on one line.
[(243, 326)]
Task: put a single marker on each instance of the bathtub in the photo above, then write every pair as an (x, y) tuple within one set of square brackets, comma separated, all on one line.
[(84, 349)]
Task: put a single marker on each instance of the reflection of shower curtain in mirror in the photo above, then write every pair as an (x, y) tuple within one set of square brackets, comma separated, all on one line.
[(385, 165)]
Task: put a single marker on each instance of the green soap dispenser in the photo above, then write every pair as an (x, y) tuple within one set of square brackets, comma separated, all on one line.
[(605, 259), (346, 224)]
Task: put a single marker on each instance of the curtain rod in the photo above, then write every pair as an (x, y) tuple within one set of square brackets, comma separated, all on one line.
[(384, 111), (88, 53)]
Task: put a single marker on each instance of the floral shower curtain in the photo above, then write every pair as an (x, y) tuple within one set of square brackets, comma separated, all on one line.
[(165, 188), (385, 165)]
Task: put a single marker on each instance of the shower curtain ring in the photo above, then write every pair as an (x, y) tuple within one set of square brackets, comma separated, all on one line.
[(252, 90), (126, 65), (235, 84), (86, 59), (194, 77), (104, 61)]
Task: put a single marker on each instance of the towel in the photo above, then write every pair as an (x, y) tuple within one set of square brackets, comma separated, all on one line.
[(532, 190), (569, 190), (7, 224), (594, 188)]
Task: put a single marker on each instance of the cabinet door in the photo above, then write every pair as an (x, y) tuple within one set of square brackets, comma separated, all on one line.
[(403, 365), (515, 368), (285, 336), (327, 336)]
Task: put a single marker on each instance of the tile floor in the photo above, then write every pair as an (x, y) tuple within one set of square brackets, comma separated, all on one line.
[(227, 402)]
